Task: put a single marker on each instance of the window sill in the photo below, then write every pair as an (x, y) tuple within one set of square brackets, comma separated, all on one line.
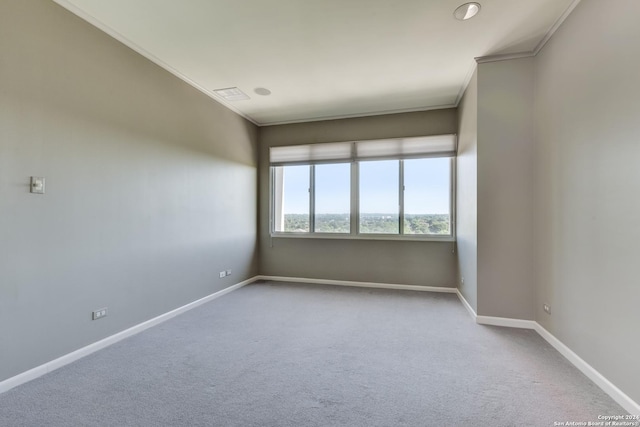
[(404, 238)]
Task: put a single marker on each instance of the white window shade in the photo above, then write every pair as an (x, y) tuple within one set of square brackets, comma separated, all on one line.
[(424, 146), (309, 154), (335, 152)]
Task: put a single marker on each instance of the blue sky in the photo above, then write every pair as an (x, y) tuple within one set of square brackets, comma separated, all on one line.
[(426, 187)]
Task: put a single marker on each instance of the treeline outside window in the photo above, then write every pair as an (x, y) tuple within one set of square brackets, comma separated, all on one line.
[(410, 195)]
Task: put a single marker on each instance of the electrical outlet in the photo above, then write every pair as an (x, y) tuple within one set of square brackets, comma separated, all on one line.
[(462, 281), (547, 308), (223, 274), (228, 272), (98, 314)]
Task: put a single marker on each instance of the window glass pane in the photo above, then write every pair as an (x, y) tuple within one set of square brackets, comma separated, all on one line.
[(333, 198), (379, 197), (291, 198), (426, 196)]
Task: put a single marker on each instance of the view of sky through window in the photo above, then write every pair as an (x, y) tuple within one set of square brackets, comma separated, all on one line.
[(426, 183), (333, 198), (296, 190), (296, 198), (379, 196)]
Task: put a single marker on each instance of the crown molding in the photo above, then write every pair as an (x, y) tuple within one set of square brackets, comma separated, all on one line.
[(503, 57), (148, 55), (466, 82), (551, 31), (357, 115), (151, 57), (517, 55), (478, 60)]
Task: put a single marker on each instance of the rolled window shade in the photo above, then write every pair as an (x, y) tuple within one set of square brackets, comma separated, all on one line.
[(312, 153), (396, 148), (423, 146)]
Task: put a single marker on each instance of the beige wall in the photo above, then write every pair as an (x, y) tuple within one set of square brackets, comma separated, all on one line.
[(150, 187), (467, 194), (587, 182), (495, 190), (557, 149), (505, 189), (415, 263)]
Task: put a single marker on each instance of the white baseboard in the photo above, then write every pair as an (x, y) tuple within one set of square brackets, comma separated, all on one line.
[(466, 305), (495, 321), (61, 361), (506, 322), (359, 284), (607, 386)]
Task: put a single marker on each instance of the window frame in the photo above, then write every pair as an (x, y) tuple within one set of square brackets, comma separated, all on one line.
[(354, 233)]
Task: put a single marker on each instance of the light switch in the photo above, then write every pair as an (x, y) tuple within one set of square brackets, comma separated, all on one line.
[(37, 184)]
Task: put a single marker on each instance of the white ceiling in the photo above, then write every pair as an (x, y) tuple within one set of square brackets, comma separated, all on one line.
[(328, 58)]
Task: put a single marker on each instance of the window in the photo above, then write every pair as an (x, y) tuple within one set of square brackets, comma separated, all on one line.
[(324, 207), (332, 198), (294, 210), (398, 188), (427, 196), (379, 197)]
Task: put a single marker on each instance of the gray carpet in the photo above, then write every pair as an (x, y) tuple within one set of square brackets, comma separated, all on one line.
[(273, 354)]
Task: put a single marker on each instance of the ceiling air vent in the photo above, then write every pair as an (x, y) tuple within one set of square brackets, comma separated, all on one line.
[(231, 94)]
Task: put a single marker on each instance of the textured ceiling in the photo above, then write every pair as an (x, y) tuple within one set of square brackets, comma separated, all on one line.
[(324, 59)]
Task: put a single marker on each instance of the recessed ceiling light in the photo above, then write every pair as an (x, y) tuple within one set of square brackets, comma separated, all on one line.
[(467, 11), (231, 94), (262, 91)]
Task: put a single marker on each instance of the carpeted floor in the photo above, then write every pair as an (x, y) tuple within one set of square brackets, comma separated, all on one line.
[(273, 354)]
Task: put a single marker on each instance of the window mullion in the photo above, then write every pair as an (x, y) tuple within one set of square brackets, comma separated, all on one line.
[(355, 201), (401, 198), (272, 201), (452, 196), (312, 199)]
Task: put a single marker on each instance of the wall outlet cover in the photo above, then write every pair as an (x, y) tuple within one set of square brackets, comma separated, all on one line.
[(37, 185), (98, 314)]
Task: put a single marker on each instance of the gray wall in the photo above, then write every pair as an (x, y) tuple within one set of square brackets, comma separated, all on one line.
[(415, 263), (505, 189), (151, 187), (587, 183), (467, 193)]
